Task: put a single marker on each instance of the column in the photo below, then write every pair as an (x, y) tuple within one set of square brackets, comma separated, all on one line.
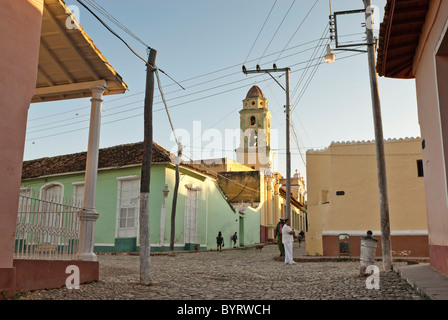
[(20, 25), (88, 214)]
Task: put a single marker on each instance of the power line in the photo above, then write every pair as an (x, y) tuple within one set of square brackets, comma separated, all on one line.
[(260, 32), (177, 105), (166, 107), (284, 17), (105, 13), (175, 98), (311, 76), (197, 84), (120, 25), (310, 60), (300, 25), (196, 77), (116, 35)]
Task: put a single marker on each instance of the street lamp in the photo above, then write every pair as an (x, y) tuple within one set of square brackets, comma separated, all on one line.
[(165, 192), (330, 56)]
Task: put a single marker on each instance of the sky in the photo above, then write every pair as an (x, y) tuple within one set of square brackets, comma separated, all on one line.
[(202, 45)]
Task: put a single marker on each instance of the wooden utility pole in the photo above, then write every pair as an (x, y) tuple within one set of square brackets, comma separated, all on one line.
[(288, 147), (173, 207), (379, 140), (145, 247)]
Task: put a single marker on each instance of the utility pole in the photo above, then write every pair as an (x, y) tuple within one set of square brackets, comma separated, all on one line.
[(381, 162), (173, 207), (145, 246), (288, 148), (288, 128)]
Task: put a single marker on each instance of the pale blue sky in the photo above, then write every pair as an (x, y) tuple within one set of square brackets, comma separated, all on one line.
[(209, 40)]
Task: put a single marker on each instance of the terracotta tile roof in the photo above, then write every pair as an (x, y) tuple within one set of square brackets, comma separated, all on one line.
[(294, 201), (117, 156), (399, 37)]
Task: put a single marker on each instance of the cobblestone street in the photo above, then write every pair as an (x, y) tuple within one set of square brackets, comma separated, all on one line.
[(242, 274)]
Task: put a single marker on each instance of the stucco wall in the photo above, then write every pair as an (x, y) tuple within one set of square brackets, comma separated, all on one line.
[(431, 95), (20, 24), (351, 168), (214, 212)]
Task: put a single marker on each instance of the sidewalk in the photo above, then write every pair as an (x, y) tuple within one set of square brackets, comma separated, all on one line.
[(419, 273), (425, 280)]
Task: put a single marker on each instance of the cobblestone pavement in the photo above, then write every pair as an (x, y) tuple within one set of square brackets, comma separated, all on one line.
[(241, 274)]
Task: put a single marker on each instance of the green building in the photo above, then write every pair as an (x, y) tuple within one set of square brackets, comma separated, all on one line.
[(202, 208)]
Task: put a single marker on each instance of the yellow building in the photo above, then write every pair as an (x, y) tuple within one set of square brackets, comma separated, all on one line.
[(255, 124), (342, 194), (214, 166)]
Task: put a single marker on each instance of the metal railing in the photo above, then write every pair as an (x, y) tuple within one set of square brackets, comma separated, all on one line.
[(47, 229)]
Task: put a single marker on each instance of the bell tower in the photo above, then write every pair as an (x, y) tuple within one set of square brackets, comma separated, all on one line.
[(255, 124)]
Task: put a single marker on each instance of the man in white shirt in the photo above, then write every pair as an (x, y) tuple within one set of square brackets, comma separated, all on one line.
[(288, 240)]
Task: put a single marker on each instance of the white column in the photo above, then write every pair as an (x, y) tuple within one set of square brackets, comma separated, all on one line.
[(88, 214), (162, 226)]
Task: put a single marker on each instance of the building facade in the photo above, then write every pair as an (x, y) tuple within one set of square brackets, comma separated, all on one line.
[(343, 197), (43, 61), (413, 44), (250, 184), (201, 212)]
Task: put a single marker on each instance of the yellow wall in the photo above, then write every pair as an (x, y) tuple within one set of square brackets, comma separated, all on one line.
[(352, 168), (215, 166)]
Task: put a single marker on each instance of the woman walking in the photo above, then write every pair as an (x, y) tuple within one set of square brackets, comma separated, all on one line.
[(219, 242)]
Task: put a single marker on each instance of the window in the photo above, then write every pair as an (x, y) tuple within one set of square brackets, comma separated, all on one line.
[(52, 192), (78, 193), (253, 138), (253, 121), (324, 195), (191, 214), (420, 168), (128, 207), (24, 204)]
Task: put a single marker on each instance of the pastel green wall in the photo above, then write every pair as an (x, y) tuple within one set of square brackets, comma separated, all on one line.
[(251, 225), (214, 212)]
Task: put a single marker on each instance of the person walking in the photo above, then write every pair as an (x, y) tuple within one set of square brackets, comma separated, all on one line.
[(288, 241), (234, 238), (278, 236), (301, 237), (219, 242)]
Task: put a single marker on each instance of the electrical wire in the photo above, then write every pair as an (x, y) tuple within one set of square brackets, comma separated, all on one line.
[(116, 35), (298, 28), (177, 105), (194, 85), (166, 107), (111, 18), (196, 77), (175, 98), (260, 32), (278, 28)]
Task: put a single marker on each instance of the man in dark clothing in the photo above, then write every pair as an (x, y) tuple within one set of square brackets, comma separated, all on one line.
[(278, 235)]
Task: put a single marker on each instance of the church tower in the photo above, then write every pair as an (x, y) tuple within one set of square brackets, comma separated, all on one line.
[(255, 124)]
